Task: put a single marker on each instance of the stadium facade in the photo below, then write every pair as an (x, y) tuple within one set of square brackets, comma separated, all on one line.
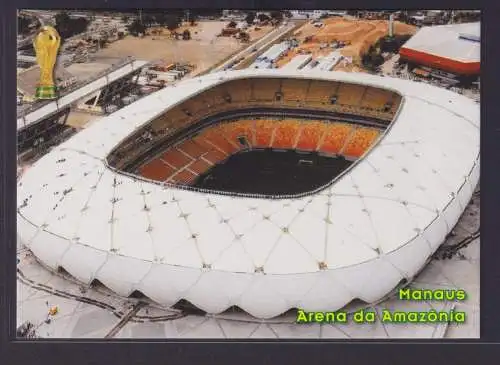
[(359, 236)]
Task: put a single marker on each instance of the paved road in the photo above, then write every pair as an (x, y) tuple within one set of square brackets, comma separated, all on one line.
[(259, 45)]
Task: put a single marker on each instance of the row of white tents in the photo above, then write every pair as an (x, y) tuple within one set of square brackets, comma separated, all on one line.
[(299, 62), (267, 59), (325, 63)]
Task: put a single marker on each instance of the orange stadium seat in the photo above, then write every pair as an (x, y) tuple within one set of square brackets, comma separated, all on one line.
[(200, 166), (191, 148), (264, 129), (175, 158), (240, 128), (183, 177), (360, 142), (214, 136), (214, 157), (156, 170), (285, 134), (202, 142), (335, 137), (310, 135)]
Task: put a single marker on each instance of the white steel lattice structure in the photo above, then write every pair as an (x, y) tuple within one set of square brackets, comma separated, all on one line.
[(372, 228)]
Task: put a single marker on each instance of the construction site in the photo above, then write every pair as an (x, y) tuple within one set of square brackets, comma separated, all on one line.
[(351, 37)]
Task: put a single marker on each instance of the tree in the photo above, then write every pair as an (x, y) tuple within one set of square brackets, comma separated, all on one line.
[(23, 24), (62, 18), (245, 37), (68, 27), (172, 23), (263, 17), (372, 59), (159, 18), (288, 13), (250, 18), (148, 20), (186, 35), (136, 27), (232, 24), (125, 18), (277, 15)]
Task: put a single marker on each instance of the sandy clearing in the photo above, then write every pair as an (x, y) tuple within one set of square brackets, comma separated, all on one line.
[(358, 34), (204, 49)]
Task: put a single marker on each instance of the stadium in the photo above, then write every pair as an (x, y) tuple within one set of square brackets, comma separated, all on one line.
[(266, 190)]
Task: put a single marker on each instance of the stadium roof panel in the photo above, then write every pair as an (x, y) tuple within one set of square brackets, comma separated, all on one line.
[(373, 227)]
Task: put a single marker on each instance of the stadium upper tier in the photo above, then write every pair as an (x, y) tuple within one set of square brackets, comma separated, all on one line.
[(374, 227)]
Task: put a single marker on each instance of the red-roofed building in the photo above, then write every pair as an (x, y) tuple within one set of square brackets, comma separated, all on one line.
[(452, 48)]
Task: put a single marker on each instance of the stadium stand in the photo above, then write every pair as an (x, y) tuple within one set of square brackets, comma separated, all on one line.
[(200, 166), (183, 177), (156, 170), (191, 148), (310, 135), (321, 91), (294, 90), (175, 158), (214, 137), (240, 90), (265, 91), (264, 129), (350, 94), (376, 98), (234, 132), (360, 141), (285, 134), (192, 133), (335, 137), (194, 156)]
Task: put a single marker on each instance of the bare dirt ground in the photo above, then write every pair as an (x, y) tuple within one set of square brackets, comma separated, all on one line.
[(86, 70), (80, 120), (359, 34), (204, 49)]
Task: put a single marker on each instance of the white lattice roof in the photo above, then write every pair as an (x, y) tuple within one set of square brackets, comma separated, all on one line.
[(375, 226)]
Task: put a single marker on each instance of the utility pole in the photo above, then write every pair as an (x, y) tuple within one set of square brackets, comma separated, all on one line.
[(140, 16)]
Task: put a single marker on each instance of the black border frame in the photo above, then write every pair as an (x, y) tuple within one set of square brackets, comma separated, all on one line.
[(255, 352)]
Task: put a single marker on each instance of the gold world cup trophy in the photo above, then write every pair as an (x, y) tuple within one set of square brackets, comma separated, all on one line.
[(46, 45)]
